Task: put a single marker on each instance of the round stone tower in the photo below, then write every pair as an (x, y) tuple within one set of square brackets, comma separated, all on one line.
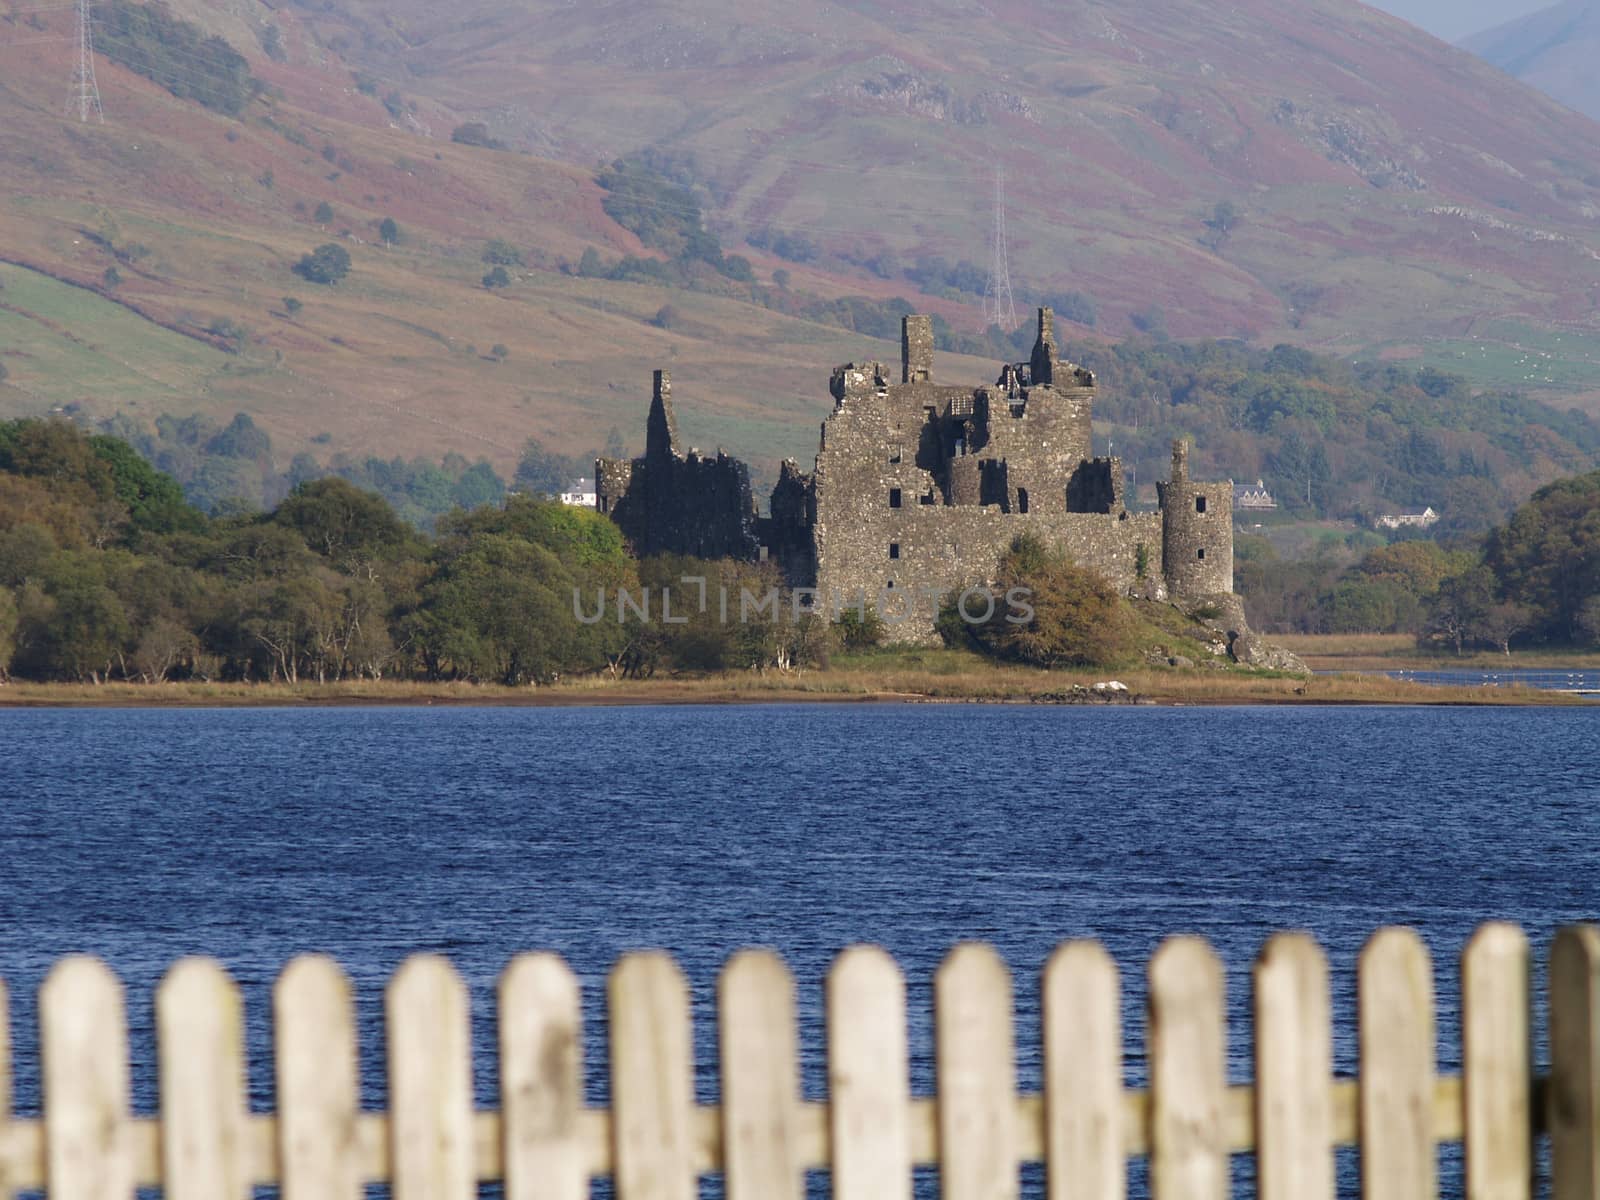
[(1196, 531)]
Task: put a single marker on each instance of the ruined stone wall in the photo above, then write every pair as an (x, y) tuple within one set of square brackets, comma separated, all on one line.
[(787, 532), (670, 503), (1042, 439), (931, 551)]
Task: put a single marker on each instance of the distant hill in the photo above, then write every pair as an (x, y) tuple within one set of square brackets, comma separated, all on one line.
[(1554, 49), (1316, 173)]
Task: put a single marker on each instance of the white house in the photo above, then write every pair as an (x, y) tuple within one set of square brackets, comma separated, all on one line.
[(1253, 496), (580, 494), (1407, 520)]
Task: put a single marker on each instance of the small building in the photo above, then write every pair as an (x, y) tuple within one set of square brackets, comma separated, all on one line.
[(1253, 497), (1411, 519), (580, 493)]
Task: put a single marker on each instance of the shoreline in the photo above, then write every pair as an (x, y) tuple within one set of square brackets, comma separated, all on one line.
[(1002, 685)]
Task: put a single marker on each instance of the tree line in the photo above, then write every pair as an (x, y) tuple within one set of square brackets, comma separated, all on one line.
[(1533, 580), (108, 573)]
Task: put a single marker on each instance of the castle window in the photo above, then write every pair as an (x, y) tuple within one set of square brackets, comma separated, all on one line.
[(894, 549), (894, 456), (1202, 551), (1199, 504), (894, 497), (1022, 499)]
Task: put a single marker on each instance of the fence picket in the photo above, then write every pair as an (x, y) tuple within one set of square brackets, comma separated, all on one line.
[(1188, 1072), (1396, 1034), (869, 1096), (314, 1020), (1294, 1070), (541, 1080), (430, 1082), (84, 1053), (1572, 1099), (200, 1030), (652, 1082), (1082, 1034), (977, 1075), (760, 1078), (1497, 1065)]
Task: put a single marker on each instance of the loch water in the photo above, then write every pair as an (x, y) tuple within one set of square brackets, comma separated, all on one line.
[(256, 834)]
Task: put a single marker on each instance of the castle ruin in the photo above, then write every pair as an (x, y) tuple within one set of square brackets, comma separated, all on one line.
[(919, 488)]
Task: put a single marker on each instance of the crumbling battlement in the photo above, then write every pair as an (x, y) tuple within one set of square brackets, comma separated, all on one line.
[(921, 487), (669, 502)]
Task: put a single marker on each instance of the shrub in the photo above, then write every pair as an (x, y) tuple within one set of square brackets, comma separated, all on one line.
[(324, 214), (327, 264), (497, 278), (292, 306), (389, 231), (475, 133), (502, 253), (859, 629), (1068, 616), (112, 277)]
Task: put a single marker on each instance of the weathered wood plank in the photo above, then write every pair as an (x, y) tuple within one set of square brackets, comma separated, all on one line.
[(84, 1048), (1395, 1002), (760, 1079), (1572, 1097), (1294, 1070), (541, 1080), (1497, 1064), (869, 1088), (200, 1032), (1188, 1072), (430, 1082), (1082, 1036), (652, 1082), (977, 1076), (319, 1151)]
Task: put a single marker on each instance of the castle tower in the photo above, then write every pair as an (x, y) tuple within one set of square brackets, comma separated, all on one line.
[(916, 349), (1196, 531), (1043, 366), (661, 430)]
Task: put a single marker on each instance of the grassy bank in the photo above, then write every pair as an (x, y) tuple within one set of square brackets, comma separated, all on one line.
[(935, 676), (1399, 652)]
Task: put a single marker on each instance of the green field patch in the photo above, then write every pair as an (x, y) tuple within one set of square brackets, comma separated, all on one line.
[(65, 343), (1520, 357)]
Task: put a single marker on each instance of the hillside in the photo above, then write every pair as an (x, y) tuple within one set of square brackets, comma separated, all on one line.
[(1554, 50), (1384, 189), (1324, 175)]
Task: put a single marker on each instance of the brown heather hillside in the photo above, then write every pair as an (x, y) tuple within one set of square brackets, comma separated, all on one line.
[(204, 217), (1391, 189), (1393, 196)]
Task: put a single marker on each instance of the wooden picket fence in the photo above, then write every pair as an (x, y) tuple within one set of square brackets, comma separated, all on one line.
[(655, 1141)]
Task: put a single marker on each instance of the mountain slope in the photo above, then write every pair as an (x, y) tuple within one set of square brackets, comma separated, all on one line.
[(1316, 173), (1554, 50), (1387, 188)]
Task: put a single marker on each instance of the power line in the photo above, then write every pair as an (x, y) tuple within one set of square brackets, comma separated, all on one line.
[(85, 91), (999, 307)]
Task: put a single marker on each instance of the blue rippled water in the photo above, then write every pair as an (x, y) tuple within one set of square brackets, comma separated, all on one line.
[(252, 835)]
